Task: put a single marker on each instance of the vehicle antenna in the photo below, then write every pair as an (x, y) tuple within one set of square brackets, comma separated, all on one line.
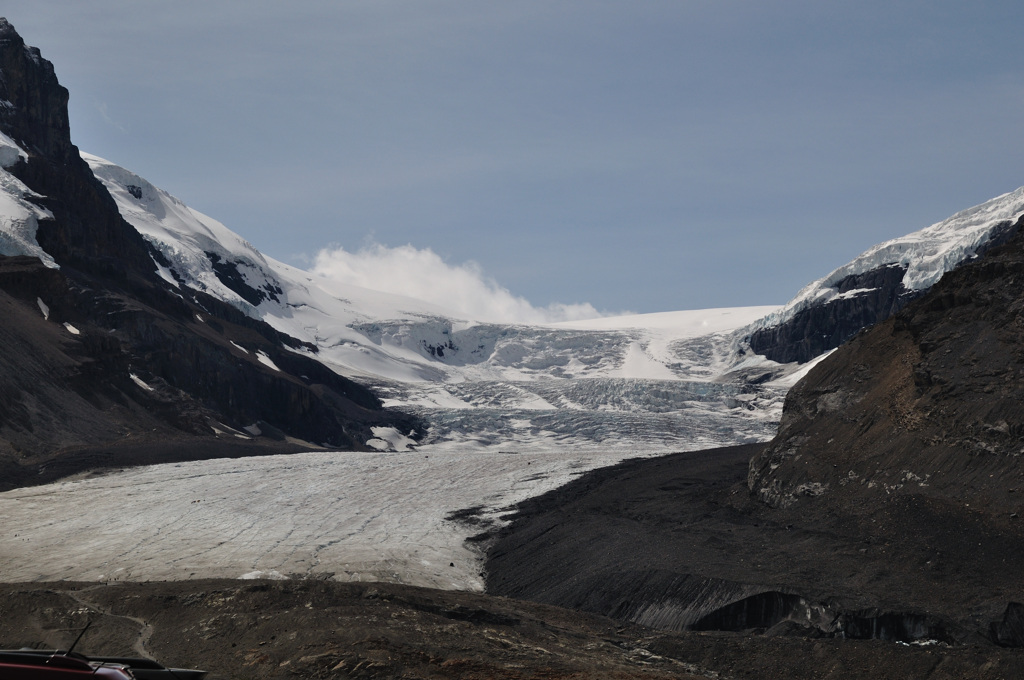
[(87, 624)]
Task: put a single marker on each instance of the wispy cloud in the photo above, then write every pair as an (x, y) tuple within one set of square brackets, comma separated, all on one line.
[(423, 274), (101, 107)]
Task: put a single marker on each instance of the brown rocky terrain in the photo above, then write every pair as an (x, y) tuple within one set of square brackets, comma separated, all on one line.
[(927, 405), (679, 543), (912, 433), (322, 629)]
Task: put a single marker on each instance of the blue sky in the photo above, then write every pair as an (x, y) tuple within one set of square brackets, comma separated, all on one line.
[(642, 155)]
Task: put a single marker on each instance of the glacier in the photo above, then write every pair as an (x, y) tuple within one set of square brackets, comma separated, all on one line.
[(350, 516), (654, 380)]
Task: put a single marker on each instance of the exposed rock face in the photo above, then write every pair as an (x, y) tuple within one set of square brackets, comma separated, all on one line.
[(87, 232), (865, 299), (38, 114), (229, 275), (104, 353)]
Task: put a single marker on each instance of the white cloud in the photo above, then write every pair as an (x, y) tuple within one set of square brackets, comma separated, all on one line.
[(464, 288)]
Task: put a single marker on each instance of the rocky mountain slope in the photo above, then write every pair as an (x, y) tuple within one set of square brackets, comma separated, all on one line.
[(919, 417), (679, 543), (926, 404), (105, 362)]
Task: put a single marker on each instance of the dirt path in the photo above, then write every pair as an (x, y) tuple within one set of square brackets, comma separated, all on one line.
[(145, 630)]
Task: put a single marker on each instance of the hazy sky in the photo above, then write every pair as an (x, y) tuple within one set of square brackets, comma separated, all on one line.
[(642, 155)]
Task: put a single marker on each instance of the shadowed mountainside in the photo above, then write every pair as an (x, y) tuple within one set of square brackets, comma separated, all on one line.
[(104, 359), (928, 404), (678, 543)]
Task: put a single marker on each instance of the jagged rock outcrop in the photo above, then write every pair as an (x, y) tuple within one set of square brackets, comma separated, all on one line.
[(87, 232), (105, 362)]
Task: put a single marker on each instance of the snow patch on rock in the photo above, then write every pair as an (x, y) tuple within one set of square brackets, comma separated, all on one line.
[(262, 357), (185, 237), (140, 382), (390, 439), (19, 216), (10, 152)]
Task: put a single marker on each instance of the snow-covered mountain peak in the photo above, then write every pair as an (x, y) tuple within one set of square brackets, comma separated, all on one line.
[(199, 251), (924, 255), (204, 254)]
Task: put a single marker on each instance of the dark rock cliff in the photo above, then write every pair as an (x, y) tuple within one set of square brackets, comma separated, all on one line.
[(817, 329), (87, 232), (124, 368)]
